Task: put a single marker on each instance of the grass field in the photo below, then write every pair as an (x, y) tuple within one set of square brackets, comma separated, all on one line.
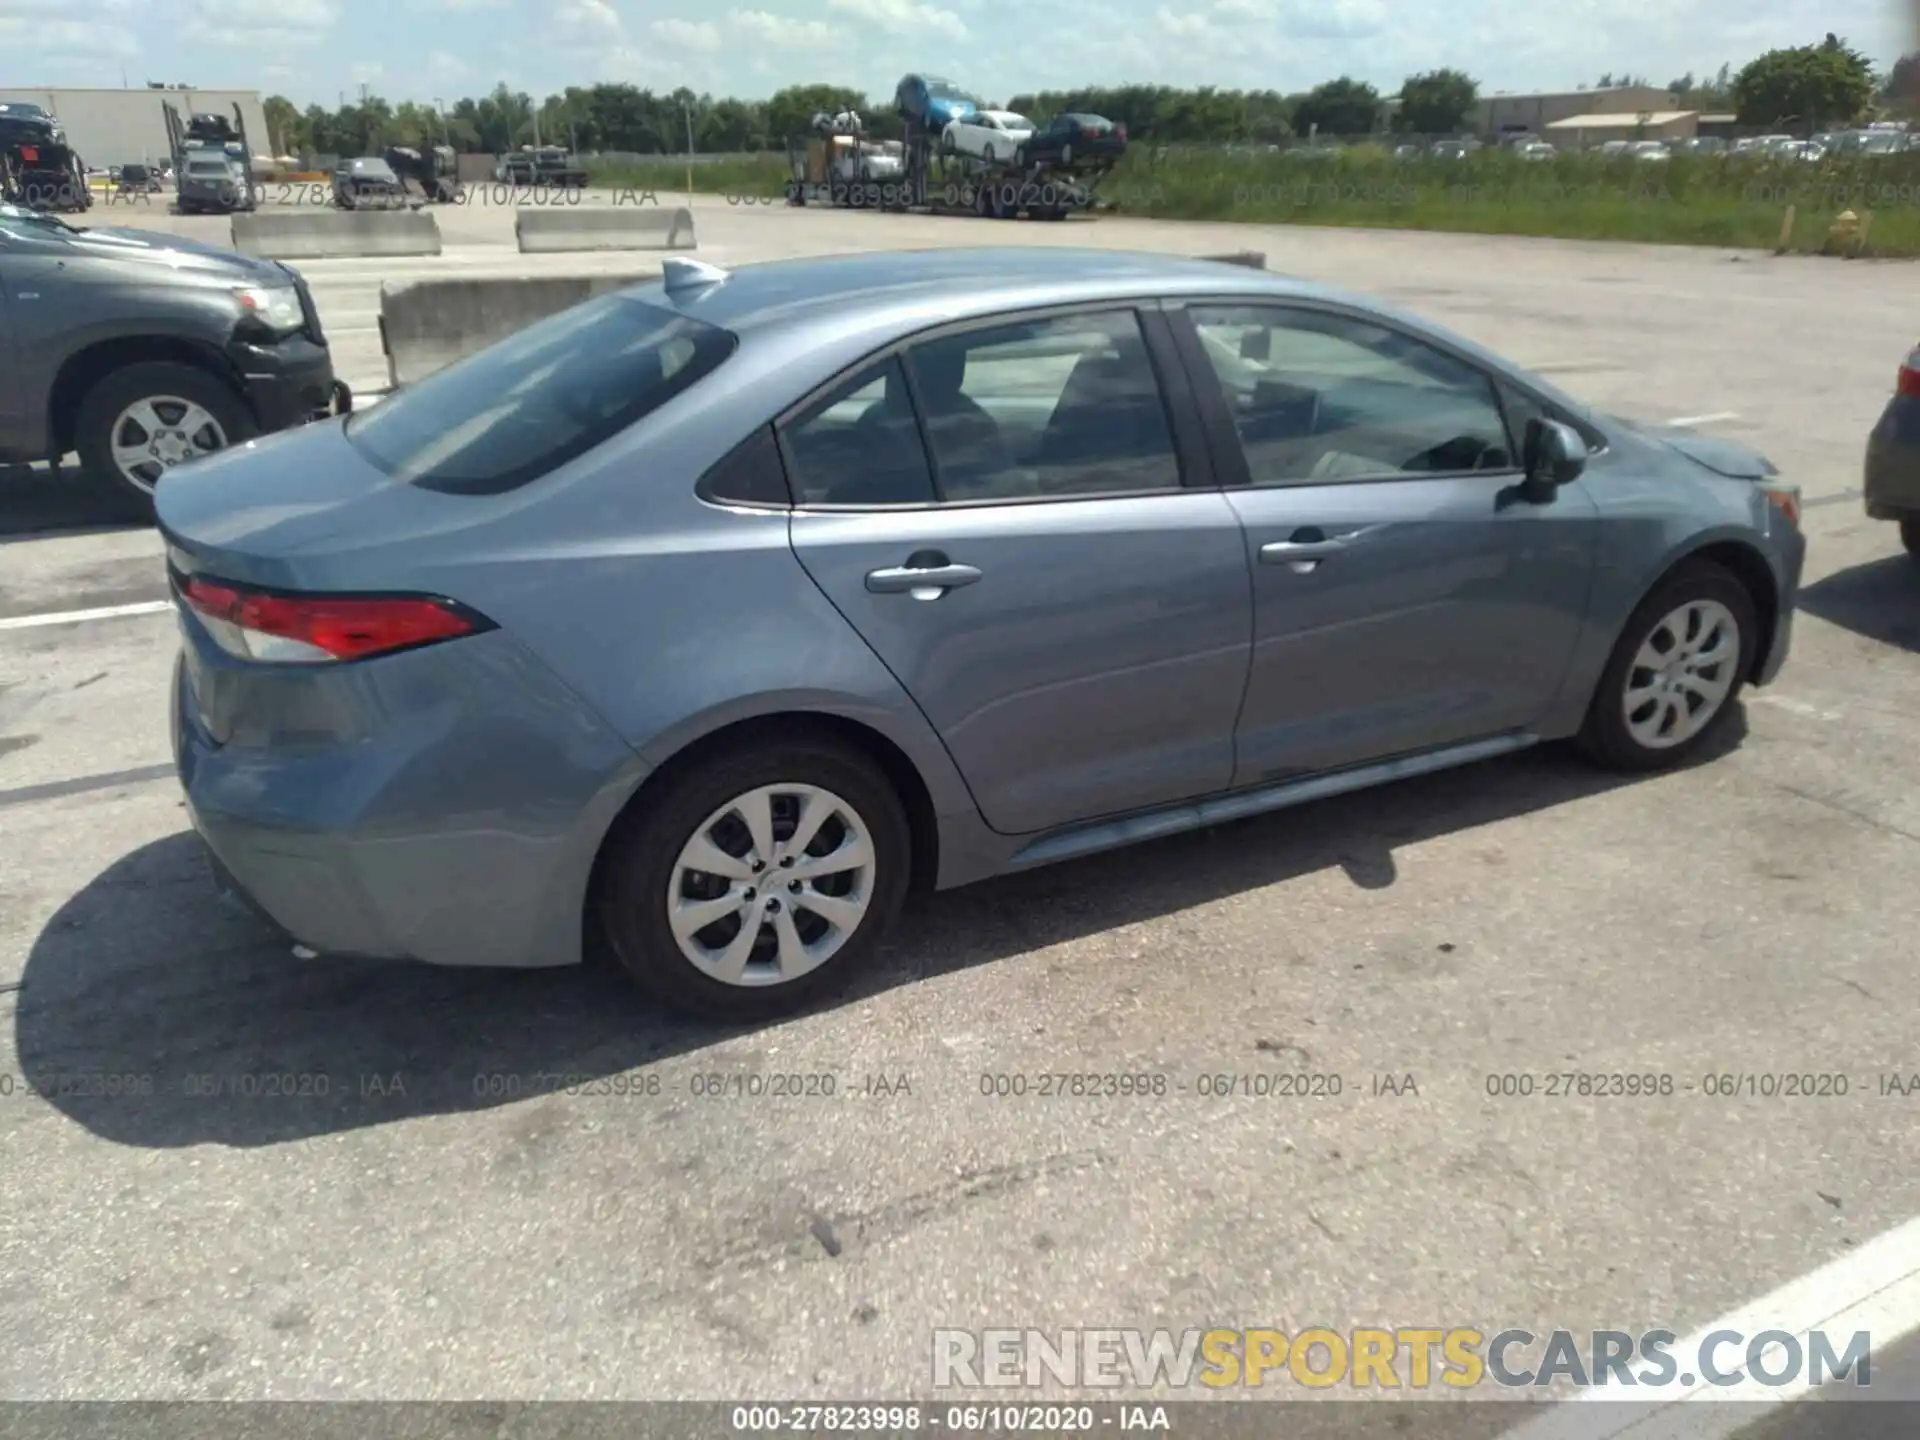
[(1713, 200)]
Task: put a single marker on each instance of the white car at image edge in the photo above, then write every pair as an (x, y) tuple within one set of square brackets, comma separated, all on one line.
[(990, 135)]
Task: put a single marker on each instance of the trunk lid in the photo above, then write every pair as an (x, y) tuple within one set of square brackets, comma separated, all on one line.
[(302, 510)]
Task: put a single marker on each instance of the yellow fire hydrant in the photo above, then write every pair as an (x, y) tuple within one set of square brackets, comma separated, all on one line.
[(1845, 234)]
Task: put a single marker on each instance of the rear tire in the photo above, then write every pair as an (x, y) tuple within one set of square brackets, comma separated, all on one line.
[(645, 870), (1675, 672), (104, 409), (1910, 537)]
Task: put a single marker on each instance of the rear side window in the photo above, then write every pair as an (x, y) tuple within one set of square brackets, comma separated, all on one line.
[(860, 445), (524, 407)]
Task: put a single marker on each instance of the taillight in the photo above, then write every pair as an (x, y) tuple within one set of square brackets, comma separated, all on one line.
[(320, 629), (1909, 382), (30, 154)]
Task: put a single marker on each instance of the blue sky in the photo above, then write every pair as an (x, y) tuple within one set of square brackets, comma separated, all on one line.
[(312, 50)]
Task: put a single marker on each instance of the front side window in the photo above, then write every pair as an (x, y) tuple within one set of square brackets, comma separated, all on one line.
[(1063, 406), (1319, 398), (519, 409)]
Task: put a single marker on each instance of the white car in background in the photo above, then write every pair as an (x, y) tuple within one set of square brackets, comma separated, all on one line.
[(990, 135)]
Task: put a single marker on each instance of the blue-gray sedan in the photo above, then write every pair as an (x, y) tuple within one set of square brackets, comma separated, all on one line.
[(707, 617)]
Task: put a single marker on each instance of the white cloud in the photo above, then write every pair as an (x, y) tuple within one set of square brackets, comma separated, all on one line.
[(270, 25), (1191, 26), (1244, 9), (588, 22), (905, 17), (459, 6), (366, 73), (1332, 19), (66, 39), (694, 35), (445, 69), (782, 32)]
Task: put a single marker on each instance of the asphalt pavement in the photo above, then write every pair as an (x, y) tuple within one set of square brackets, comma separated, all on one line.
[(247, 1176)]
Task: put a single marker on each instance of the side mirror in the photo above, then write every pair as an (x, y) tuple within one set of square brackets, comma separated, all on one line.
[(1555, 456)]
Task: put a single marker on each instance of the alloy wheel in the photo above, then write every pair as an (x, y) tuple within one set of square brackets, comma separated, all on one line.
[(771, 885), (1682, 674), (152, 436)]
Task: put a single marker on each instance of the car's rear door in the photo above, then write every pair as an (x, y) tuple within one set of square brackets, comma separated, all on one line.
[(1406, 595), (1019, 517)]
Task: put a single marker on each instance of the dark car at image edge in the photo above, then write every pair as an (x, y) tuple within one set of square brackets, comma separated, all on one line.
[(143, 351), (1892, 490)]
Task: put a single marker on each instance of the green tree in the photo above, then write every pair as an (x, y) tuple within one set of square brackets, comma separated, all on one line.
[(287, 130), (1811, 86), (791, 111), (1713, 96), (1901, 93), (1437, 102), (1340, 107)]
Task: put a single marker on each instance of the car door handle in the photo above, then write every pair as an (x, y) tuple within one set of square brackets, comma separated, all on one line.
[(1279, 552), (933, 580)]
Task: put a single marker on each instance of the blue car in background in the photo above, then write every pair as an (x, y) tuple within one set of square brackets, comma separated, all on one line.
[(933, 103)]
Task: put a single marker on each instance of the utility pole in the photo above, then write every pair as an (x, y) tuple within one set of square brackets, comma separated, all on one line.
[(686, 108)]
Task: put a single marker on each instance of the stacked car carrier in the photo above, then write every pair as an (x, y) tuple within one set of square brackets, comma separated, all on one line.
[(835, 164)]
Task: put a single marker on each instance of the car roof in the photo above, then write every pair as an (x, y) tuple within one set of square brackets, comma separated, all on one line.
[(822, 307), (995, 278)]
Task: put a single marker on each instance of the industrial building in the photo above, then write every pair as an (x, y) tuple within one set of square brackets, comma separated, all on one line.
[(128, 127), (1505, 114)]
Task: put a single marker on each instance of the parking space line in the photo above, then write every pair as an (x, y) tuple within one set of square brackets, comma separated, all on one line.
[(1874, 1287), (76, 617), (1793, 706), (1716, 417)]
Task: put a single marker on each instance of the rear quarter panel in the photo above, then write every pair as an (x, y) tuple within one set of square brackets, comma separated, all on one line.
[(670, 616)]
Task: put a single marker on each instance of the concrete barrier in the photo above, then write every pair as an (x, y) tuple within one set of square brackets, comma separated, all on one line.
[(335, 234), (543, 230), (426, 325), (1252, 259)]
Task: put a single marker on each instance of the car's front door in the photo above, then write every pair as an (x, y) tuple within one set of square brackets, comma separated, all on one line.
[(1407, 596), (1019, 519), (30, 318)]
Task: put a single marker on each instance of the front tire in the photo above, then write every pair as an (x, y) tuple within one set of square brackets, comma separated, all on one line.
[(1910, 537), (139, 422), (1675, 672), (707, 902)]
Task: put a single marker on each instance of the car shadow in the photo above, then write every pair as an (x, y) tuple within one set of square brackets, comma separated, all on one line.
[(36, 500), (154, 1017), (1880, 600)]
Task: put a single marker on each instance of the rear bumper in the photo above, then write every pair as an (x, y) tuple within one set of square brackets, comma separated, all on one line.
[(370, 811), (288, 383), (1892, 475)]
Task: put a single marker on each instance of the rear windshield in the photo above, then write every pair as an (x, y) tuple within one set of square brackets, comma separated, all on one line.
[(208, 167), (513, 412)]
